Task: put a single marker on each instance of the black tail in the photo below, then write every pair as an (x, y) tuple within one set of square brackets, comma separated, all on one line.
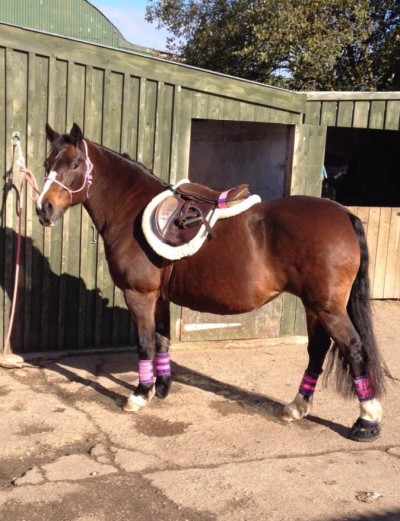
[(360, 313)]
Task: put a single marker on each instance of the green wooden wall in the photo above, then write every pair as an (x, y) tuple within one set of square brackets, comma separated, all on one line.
[(369, 110), (130, 103)]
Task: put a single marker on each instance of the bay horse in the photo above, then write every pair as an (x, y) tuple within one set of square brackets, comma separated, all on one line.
[(312, 248)]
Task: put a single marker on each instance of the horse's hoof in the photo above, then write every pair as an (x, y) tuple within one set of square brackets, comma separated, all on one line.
[(365, 430), (287, 417), (136, 402), (297, 409), (163, 386)]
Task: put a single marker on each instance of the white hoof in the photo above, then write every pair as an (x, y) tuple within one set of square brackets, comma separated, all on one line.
[(297, 409), (371, 410), (135, 403)]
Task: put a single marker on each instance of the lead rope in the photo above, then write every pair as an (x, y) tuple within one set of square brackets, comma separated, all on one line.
[(26, 177)]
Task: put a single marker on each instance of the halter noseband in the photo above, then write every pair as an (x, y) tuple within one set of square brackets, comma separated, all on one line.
[(87, 180)]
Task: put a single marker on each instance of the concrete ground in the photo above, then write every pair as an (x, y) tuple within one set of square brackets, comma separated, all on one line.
[(213, 450)]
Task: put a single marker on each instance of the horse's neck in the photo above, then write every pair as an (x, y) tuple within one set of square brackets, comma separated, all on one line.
[(117, 183)]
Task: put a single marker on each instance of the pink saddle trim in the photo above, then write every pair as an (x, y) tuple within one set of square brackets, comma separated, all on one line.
[(222, 199)]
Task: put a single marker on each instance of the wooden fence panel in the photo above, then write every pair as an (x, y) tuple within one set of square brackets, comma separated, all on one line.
[(382, 226)]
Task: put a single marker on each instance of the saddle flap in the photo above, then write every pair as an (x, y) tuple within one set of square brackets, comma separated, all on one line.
[(169, 221), (166, 212)]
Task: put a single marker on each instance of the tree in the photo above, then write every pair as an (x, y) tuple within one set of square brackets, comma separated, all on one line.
[(296, 44)]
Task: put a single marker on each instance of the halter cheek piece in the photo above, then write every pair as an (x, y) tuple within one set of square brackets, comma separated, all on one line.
[(87, 180)]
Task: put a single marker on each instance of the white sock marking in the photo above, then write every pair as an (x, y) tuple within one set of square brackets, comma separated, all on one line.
[(371, 410)]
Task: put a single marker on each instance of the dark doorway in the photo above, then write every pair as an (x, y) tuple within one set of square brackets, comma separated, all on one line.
[(363, 166)]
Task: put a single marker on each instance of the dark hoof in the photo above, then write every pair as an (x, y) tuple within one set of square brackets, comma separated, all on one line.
[(163, 386), (365, 430)]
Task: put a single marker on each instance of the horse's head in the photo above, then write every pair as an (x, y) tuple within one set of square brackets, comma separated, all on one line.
[(68, 175)]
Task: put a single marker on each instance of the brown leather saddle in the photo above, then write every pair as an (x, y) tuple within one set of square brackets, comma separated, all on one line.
[(178, 218)]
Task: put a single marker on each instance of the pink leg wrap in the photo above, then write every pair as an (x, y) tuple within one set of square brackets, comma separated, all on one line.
[(308, 383), (163, 367), (146, 371), (363, 388)]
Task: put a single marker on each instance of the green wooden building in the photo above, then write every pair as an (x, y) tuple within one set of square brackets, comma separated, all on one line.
[(178, 120)]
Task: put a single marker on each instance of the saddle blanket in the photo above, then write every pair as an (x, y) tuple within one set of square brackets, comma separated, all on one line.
[(190, 248)]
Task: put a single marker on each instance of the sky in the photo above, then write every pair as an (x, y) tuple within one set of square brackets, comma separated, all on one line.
[(128, 17)]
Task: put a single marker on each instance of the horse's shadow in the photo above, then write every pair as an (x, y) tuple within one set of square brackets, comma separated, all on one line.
[(56, 311), (254, 403)]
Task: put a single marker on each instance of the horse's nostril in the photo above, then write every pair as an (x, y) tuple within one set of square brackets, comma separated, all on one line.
[(47, 208), (44, 212)]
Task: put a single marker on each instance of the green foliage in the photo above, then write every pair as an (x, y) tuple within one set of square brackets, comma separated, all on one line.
[(296, 44)]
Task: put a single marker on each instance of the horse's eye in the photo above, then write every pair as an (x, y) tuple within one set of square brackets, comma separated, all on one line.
[(75, 166)]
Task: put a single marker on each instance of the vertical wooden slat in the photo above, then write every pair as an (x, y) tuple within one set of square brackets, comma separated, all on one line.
[(165, 139), (7, 205), (94, 83), (345, 114), (158, 137), (214, 107), (3, 168), (231, 110), (361, 114), (141, 120), (372, 239), (113, 96), (293, 320), (377, 114), (313, 115), (246, 111), (392, 255), (38, 288), (315, 160), (185, 128), (72, 220), (329, 113), (57, 94), (130, 116), (200, 105), (175, 133), (111, 138), (382, 252), (17, 95), (392, 120)]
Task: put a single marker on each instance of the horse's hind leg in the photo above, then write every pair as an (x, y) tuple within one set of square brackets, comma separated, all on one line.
[(142, 308), (318, 345), (359, 374), (162, 338)]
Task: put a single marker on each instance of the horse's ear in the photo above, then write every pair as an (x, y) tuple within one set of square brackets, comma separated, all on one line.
[(76, 134), (51, 134)]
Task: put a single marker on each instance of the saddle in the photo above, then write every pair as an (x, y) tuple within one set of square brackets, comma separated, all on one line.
[(177, 221), (177, 218)]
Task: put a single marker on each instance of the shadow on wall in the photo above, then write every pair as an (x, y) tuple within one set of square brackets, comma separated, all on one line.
[(54, 312)]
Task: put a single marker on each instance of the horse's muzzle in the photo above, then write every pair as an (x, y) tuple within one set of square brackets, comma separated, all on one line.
[(47, 215)]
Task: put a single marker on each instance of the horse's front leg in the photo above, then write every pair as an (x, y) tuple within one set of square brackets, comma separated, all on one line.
[(142, 308), (163, 335), (318, 346)]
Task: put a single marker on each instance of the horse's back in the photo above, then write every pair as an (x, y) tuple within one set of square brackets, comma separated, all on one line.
[(286, 244)]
